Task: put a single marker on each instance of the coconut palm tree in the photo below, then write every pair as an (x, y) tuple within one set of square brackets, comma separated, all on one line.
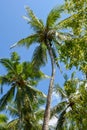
[(70, 110), (45, 36), (21, 78), (49, 37)]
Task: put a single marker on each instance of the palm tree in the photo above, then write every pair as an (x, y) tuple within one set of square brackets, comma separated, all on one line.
[(21, 78), (45, 36), (67, 111), (49, 38)]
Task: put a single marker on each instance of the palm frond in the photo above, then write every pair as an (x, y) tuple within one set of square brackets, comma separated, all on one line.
[(3, 122), (34, 90), (40, 102), (3, 81), (27, 41), (35, 23), (60, 91), (3, 118), (68, 22), (61, 120), (73, 75), (12, 111), (3, 126), (19, 98), (13, 125), (55, 58), (53, 16), (39, 114), (38, 75), (29, 71), (6, 98), (15, 57), (58, 108), (7, 64), (39, 57)]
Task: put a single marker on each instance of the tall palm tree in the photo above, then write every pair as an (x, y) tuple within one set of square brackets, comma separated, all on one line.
[(48, 36), (21, 79), (45, 36)]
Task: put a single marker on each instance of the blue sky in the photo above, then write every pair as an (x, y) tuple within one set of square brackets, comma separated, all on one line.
[(13, 28)]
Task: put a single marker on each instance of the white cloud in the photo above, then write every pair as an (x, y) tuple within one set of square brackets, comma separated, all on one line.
[(53, 121), (55, 98)]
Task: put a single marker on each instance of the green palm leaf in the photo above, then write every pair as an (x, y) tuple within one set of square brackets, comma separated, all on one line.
[(60, 91), (58, 108), (39, 56), (27, 41), (35, 23), (61, 120), (3, 118), (12, 110), (29, 71), (35, 91), (7, 64), (13, 125), (55, 58), (39, 114), (15, 57), (3, 122), (53, 16), (3, 81), (6, 98), (68, 22)]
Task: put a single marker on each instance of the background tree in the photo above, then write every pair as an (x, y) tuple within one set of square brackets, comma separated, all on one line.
[(70, 110), (22, 91), (61, 34), (76, 25)]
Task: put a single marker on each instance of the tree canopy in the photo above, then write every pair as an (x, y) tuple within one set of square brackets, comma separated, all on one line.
[(65, 42)]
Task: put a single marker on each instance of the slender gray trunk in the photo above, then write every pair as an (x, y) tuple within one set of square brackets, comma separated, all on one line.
[(50, 90)]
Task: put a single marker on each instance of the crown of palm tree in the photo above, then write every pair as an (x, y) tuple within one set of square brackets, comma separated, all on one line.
[(22, 80), (42, 34)]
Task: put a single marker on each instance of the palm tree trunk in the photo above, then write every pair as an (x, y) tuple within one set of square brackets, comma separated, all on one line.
[(50, 90)]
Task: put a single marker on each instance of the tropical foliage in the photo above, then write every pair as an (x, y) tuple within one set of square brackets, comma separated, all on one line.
[(50, 38), (31, 120), (21, 92), (76, 25), (64, 41), (72, 106), (3, 122), (44, 35)]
